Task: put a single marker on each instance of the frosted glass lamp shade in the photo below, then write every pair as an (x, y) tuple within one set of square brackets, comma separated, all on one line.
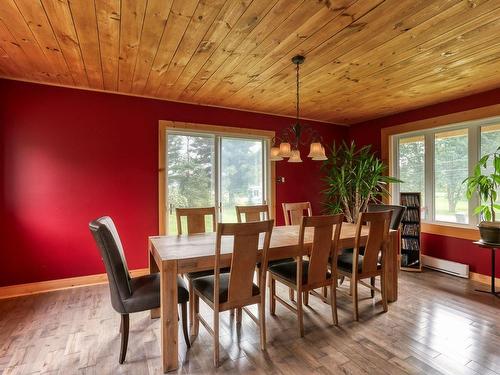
[(275, 154), (321, 156), (295, 157), (315, 150), (285, 150)]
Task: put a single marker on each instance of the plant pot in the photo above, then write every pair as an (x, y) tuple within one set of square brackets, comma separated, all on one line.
[(489, 231)]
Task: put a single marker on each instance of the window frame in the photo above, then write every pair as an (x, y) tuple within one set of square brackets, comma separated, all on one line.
[(217, 131), (474, 148)]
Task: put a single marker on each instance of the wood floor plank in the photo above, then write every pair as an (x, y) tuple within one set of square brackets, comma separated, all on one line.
[(439, 325)]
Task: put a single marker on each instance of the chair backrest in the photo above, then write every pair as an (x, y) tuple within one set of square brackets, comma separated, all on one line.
[(244, 257), (325, 245), (252, 213), (195, 218), (293, 212), (397, 212), (111, 249), (378, 237)]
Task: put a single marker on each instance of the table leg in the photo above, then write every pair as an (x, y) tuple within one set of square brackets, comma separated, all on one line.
[(391, 267), (153, 268), (169, 323)]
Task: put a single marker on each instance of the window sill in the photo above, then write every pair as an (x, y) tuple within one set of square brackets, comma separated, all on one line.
[(466, 232)]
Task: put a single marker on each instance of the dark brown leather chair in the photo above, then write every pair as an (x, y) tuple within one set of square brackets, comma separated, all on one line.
[(397, 213), (130, 295)]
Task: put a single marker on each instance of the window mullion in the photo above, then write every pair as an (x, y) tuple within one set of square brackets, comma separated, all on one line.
[(474, 150), (429, 176)]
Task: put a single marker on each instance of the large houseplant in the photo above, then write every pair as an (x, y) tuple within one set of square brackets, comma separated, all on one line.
[(354, 178), (486, 185)]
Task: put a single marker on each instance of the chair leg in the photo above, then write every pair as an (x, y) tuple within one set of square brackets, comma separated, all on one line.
[(341, 280), (262, 321), (185, 323), (300, 313), (354, 288), (124, 327), (325, 292), (333, 302), (372, 283), (272, 293), (383, 286), (239, 315), (191, 305), (306, 298), (196, 323), (216, 338), (291, 294)]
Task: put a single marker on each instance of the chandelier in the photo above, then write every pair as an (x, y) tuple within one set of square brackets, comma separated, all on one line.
[(287, 142)]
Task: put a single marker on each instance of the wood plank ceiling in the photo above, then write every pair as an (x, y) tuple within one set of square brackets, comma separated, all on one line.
[(364, 58)]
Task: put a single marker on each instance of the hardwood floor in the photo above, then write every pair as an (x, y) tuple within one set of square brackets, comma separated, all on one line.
[(438, 326)]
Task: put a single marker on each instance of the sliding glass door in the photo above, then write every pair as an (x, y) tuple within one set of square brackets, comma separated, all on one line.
[(213, 170)]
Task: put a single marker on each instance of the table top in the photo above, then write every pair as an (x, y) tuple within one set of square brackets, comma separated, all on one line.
[(178, 247)]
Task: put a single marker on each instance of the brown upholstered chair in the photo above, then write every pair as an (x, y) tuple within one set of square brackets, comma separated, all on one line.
[(306, 275), (370, 264), (130, 295), (236, 289)]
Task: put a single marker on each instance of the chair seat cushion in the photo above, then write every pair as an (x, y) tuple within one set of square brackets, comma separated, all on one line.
[(146, 293), (205, 286), (351, 251), (344, 262), (195, 275), (276, 261), (288, 271)]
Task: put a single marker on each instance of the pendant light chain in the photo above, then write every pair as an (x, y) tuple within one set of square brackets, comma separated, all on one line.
[(287, 143), (298, 92)]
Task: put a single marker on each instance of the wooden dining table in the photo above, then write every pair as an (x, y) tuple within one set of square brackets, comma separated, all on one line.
[(180, 254)]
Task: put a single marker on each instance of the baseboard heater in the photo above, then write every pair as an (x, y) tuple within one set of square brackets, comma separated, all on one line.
[(446, 266)]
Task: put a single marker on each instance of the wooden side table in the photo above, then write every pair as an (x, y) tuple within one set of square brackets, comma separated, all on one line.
[(493, 248)]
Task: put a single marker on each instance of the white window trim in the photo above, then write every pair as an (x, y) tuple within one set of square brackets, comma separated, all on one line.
[(474, 129)]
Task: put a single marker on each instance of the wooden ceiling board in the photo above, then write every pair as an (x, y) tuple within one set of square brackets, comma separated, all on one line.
[(364, 58)]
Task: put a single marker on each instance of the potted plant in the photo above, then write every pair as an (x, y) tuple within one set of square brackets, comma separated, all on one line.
[(486, 185), (354, 178)]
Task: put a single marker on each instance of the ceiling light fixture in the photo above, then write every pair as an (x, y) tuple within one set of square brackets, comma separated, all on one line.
[(286, 144)]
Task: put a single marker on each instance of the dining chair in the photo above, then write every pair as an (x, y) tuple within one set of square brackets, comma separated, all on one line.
[(252, 213), (370, 264), (236, 289), (195, 219), (397, 215), (195, 222), (306, 275), (130, 295), (293, 212), (255, 213)]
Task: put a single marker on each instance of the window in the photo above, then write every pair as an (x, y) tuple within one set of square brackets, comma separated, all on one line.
[(435, 162), (450, 169), (214, 169)]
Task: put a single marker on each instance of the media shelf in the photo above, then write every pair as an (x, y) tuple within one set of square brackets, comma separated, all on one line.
[(411, 259)]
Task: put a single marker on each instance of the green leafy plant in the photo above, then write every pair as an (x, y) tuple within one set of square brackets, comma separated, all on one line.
[(486, 185), (354, 178)]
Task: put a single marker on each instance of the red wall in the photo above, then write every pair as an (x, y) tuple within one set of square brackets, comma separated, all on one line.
[(69, 156), (450, 248)]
